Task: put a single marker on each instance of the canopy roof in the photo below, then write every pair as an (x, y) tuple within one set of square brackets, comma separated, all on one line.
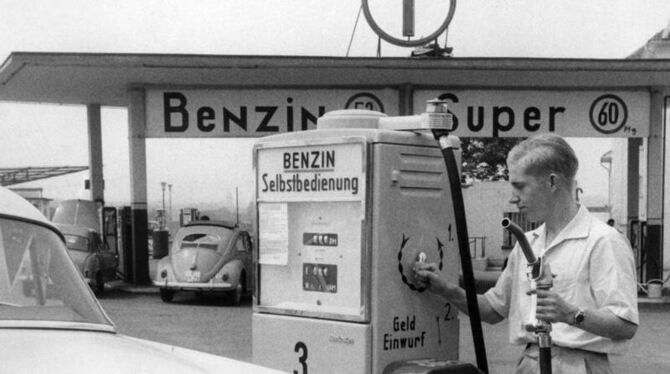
[(90, 78), (10, 176)]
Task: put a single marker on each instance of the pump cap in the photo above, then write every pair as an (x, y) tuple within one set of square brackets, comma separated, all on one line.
[(350, 118)]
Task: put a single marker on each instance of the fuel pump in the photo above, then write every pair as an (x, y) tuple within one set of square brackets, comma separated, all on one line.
[(343, 212)]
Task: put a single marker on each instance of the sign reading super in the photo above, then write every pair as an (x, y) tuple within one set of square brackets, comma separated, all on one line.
[(190, 113), (523, 113)]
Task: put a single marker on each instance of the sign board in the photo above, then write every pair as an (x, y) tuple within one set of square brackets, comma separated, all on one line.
[(523, 113), (212, 113), (313, 172)]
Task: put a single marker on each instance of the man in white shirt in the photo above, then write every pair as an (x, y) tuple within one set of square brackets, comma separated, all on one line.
[(592, 305)]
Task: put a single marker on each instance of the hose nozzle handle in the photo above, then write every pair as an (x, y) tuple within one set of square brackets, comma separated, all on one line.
[(521, 238)]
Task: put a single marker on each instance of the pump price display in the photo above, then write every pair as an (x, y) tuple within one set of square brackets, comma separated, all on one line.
[(321, 240), (319, 277)]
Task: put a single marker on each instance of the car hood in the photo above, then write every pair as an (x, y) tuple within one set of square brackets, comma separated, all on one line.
[(73, 352)]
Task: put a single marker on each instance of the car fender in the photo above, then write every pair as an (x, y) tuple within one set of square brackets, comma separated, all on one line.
[(92, 264), (233, 268), (164, 264)]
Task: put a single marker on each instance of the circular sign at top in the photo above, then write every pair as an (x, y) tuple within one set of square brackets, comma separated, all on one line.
[(608, 114), (365, 100), (409, 43)]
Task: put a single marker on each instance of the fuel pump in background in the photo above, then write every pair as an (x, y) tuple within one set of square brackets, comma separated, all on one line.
[(343, 213)]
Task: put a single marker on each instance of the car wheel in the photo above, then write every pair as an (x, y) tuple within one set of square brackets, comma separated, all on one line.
[(235, 296), (166, 295), (99, 284)]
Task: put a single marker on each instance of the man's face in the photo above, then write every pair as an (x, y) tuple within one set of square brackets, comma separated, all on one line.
[(530, 194)]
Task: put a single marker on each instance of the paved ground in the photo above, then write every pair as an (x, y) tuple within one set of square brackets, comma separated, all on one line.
[(649, 352)]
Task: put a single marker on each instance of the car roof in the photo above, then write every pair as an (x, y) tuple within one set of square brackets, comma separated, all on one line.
[(226, 224), (74, 230), (78, 212)]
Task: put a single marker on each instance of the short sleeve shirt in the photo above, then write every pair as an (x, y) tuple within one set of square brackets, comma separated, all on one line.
[(594, 268)]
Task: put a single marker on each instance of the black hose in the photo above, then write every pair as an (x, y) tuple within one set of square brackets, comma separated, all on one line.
[(545, 360), (466, 262)]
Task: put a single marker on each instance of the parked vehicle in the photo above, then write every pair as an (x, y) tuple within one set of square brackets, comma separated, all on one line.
[(207, 257), (93, 258), (58, 326), (96, 259)]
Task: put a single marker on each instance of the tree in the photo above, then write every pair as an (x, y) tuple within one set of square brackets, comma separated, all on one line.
[(484, 159)]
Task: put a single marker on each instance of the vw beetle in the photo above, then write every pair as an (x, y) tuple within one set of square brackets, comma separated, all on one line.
[(59, 327), (207, 257)]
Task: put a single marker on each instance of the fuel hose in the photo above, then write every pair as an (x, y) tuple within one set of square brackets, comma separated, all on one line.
[(464, 250), (544, 339)]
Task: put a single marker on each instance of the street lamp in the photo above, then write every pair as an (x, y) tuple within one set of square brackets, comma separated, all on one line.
[(170, 204), (163, 184)]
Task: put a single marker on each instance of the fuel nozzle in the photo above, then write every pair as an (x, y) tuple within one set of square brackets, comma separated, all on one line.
[(540, 277)]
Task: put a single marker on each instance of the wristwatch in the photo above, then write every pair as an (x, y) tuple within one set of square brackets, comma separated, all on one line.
[(579, 318)]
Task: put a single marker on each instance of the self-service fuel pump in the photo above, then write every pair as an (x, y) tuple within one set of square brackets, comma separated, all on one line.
[(343, 213)]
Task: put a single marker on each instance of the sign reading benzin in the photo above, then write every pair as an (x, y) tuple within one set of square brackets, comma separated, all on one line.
[(189, 113), (314, 171)]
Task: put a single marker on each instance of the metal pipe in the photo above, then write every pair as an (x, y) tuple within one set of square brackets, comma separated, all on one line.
[(521, 238)]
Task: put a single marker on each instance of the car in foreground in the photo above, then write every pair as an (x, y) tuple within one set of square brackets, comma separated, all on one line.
[(207, 257), (58, 326)]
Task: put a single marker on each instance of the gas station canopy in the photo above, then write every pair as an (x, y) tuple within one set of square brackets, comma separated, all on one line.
[(10, 176), (89, 78)]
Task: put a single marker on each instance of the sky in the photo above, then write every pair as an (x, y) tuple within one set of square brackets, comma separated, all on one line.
[(45, 135)]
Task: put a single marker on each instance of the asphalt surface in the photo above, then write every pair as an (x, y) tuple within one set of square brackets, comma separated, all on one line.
[(649, 351)]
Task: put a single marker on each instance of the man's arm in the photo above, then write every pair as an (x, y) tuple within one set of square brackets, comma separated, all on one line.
[(428, 276), (552, 308)]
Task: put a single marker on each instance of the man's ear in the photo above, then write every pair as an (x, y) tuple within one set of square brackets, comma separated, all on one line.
[(553, 181)]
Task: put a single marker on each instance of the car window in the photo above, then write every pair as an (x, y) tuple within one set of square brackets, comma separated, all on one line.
[(201, 240), (78, 213), (76, 242), (40, 282)]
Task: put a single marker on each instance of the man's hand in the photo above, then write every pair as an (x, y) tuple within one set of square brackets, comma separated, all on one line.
[(427, 275), (552, 308)]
